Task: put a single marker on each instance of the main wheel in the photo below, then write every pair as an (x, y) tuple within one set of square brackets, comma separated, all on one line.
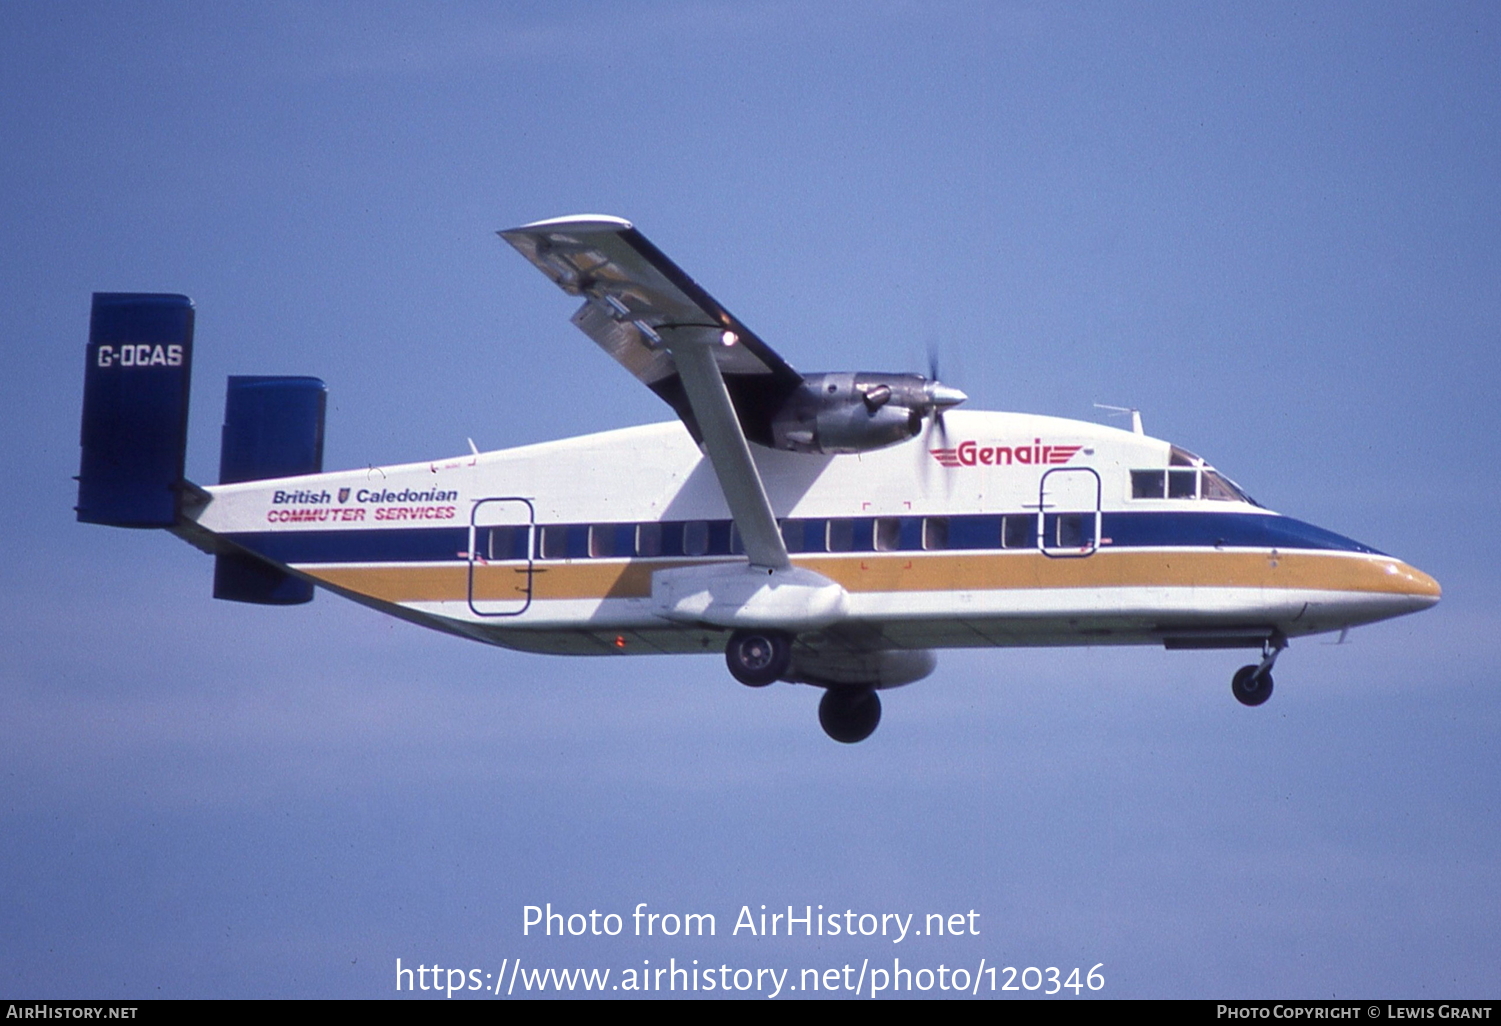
[(758, 658), (849, 715), (1250, 689)]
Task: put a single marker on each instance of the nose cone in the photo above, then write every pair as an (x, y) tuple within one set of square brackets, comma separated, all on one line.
[(943, 396), (1421, 589)]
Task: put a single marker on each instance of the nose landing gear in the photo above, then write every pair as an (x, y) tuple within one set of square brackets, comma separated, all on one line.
[(1252, 685)]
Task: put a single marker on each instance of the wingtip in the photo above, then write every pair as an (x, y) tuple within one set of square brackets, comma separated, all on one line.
[(602, 222)]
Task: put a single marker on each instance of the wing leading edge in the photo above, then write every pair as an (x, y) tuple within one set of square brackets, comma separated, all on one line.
[(720, 378), (635, 299)]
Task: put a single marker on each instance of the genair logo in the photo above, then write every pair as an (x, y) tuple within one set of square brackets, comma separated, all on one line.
[(139, 356), (970, 453)]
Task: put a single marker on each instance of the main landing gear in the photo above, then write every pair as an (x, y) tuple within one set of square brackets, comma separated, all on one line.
[(848, 713), (1252, 685), (758, 658)]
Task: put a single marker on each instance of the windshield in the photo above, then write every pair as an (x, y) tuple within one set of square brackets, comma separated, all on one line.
[(1187, 477)]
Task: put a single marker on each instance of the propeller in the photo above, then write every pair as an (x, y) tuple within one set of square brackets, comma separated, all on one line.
[(940, 397)]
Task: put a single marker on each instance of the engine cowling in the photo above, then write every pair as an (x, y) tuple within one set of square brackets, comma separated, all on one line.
[(857, 412)]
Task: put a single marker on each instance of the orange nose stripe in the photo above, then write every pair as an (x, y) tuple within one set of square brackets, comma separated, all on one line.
[(1415, 582)]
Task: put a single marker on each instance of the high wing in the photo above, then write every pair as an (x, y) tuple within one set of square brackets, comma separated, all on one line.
[(720, 378)]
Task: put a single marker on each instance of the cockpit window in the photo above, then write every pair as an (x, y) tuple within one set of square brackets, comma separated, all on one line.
[(1202, 482), (1182, 484), (1217, 486), (1148, 484)]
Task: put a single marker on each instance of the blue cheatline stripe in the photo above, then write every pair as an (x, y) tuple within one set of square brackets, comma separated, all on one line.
[(965, 533), (1234, 530), (394, 545)]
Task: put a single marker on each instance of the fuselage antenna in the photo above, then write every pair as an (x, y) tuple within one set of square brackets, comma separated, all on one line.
[(1122, 410)]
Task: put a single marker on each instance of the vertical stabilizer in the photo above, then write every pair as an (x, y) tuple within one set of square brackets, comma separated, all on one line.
[(273, 427), (135, 409)]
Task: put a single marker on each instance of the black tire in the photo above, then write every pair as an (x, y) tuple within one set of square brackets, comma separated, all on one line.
[(1250, 689), (758, 658), (849, 715)]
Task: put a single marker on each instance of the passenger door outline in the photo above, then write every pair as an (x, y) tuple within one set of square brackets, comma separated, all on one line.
[(1068, 492), (487, 515)]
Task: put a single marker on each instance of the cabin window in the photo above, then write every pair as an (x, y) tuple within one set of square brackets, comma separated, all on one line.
[(506, 543), (555, 541), (672, 538), (648, 539), (1018, 531), (1069, 531), (1148, 484), (695, 538), (888, 534), (1182, 484), (719, 537), (935, 533), (815, 536), (601, 541), (737, 547)]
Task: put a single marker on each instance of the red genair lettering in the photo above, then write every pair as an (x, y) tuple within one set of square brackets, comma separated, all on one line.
[(973, 453)]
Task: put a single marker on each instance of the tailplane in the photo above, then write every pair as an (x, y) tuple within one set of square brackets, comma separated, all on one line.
[(135, 436)]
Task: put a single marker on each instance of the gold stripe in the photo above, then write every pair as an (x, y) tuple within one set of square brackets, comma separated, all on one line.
[(596, 579)]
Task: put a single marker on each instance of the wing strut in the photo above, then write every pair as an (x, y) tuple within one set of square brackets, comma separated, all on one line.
[(727, 448)]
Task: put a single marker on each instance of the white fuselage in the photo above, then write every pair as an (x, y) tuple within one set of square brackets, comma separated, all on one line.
[(1002, 529)]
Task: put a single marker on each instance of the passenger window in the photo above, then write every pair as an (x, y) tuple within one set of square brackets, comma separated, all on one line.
[(695, 538), (507, 543), (935, 533), (648, 539), (1182, 484), (1070, 531), (888, 534), (555, 541), (601, 541), (841, 535), (1017, 531), (1148, 484)]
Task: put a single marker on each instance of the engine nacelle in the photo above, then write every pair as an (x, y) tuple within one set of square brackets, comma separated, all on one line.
[(857, 412)]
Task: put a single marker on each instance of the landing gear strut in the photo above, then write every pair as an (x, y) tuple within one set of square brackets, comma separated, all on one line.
[(758, 658), (1252, 685), (849, 714)]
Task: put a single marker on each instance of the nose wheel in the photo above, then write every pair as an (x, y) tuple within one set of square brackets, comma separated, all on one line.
[(1252, 685)]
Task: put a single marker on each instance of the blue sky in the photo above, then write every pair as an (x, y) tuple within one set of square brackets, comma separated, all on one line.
[(1273, 229)]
